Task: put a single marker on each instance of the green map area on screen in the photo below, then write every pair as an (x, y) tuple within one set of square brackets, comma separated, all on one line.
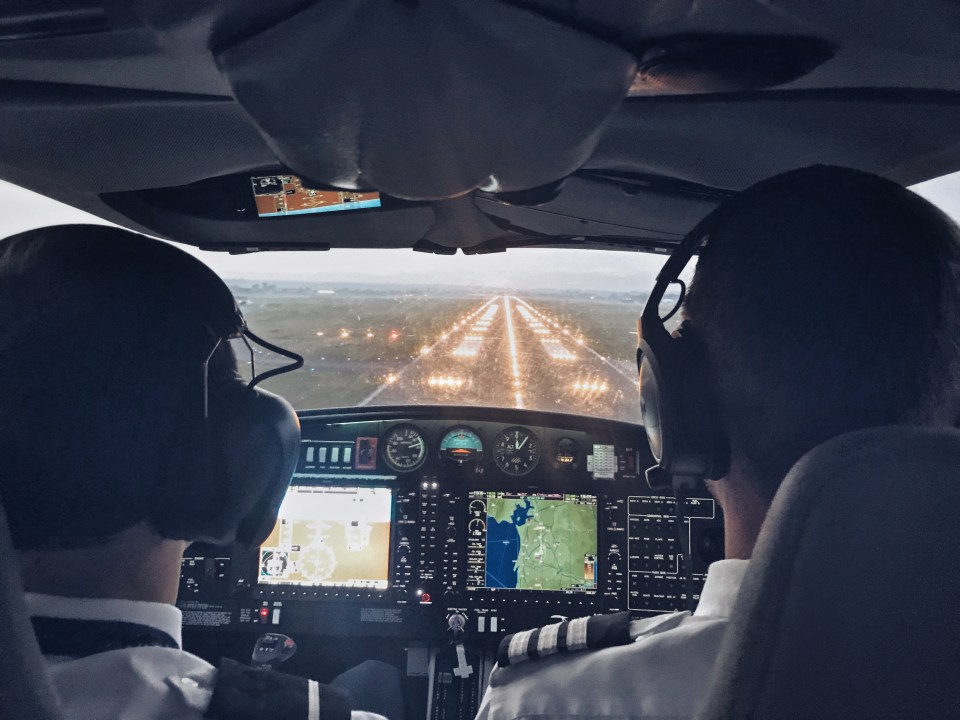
[(535, 543)]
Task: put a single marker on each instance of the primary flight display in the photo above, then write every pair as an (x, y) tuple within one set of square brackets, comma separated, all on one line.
[(334, 537)]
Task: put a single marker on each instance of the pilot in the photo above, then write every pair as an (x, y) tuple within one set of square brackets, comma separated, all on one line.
[(125, 434), (827, 300)]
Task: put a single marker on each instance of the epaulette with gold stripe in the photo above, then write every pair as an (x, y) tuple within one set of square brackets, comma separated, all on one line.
[(585, 633)]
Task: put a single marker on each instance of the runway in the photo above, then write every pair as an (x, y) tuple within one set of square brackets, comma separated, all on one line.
[(506, 352)]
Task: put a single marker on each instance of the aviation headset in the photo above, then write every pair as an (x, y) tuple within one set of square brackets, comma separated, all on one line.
[(231, 489), (680, 412), (681, 415), (226, 449)]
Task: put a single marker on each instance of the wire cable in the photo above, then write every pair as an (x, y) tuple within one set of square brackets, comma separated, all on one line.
[(683, 294), (296, 364)]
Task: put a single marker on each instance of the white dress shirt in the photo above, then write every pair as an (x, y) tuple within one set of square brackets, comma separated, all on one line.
[(663, 674), (134, 683)]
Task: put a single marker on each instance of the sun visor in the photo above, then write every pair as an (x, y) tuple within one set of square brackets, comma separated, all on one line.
[(427, 100)]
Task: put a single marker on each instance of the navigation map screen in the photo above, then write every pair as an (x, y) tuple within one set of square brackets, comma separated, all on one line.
[(330, 537), (279, 195), (532, 541)]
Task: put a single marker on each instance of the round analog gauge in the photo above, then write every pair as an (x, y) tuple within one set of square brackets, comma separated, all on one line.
[(476, 526), (516, 451), (461, 445), (566, 453), (477, 507), (404, 448)]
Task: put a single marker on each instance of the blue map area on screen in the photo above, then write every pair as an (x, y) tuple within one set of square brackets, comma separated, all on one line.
[(540, 543)]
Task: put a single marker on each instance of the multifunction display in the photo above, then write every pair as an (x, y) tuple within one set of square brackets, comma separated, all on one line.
[(279, 195), (531, 541), (330, 537)]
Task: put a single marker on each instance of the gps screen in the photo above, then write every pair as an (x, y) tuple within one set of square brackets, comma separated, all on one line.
[(330, 537), (532, 541), (279, 195)]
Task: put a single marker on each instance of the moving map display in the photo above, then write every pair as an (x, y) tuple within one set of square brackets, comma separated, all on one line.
[(532, 541), (331, 537), (278, 195)]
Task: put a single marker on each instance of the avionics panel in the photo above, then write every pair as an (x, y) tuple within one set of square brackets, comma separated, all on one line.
[(382, 535), (531, 541), (330, 537)]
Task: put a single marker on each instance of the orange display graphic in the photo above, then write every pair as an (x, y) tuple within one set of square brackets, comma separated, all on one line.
[(279, 195)]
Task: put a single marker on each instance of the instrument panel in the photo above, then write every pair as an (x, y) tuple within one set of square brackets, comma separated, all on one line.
[(399, 518)]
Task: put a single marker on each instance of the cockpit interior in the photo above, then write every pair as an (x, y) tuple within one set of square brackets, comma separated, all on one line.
[(454, 211)]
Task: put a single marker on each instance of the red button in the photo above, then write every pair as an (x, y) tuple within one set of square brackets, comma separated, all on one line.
[(425, 598), (264, 612)]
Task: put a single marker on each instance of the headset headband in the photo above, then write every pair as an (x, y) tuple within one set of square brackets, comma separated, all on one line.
[(670, 272), (680, 413)]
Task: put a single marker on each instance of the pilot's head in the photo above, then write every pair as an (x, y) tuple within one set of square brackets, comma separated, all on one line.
[(829, 301), (105, 423)]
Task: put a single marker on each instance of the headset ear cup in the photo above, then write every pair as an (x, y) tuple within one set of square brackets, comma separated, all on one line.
[(187, 494), (680, 412), (234, 471), (261, 468), (655, 407), (698, 411), (255, 443)]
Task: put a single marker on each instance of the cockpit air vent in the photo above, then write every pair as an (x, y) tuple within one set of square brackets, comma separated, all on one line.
[(691, 64), (42, 20)]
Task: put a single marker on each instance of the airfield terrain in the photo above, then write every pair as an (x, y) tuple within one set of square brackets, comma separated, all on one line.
[(387, 345)]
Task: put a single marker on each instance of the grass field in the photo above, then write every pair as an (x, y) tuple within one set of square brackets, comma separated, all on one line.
[(351, 340)]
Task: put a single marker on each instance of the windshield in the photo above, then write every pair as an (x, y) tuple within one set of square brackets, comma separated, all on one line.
[(541, 329), (538, 329)]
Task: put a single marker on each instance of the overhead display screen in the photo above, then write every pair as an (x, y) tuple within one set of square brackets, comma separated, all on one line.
[(277, 195), (330, 537), (532, 541)]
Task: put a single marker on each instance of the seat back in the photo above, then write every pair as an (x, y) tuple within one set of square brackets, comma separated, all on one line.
[(26, 692), (851, 605)]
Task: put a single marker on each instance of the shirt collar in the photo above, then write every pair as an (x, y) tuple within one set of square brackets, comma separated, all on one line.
[(160, 616), (721, 588)]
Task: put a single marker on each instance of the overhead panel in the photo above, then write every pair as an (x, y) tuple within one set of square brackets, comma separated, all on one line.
[(427, 100)]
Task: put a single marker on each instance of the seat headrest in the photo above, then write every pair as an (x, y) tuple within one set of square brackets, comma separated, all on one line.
[(851, 604)]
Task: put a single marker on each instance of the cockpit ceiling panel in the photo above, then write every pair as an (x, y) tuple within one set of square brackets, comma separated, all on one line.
[(432, 100), (99, 140), (428, 100), (731, 142)]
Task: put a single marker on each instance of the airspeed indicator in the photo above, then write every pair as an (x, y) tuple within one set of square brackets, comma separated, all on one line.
[(404, 448), (516, 451)]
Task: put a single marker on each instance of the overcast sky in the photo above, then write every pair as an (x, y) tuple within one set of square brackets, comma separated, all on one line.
[(521, 268)]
